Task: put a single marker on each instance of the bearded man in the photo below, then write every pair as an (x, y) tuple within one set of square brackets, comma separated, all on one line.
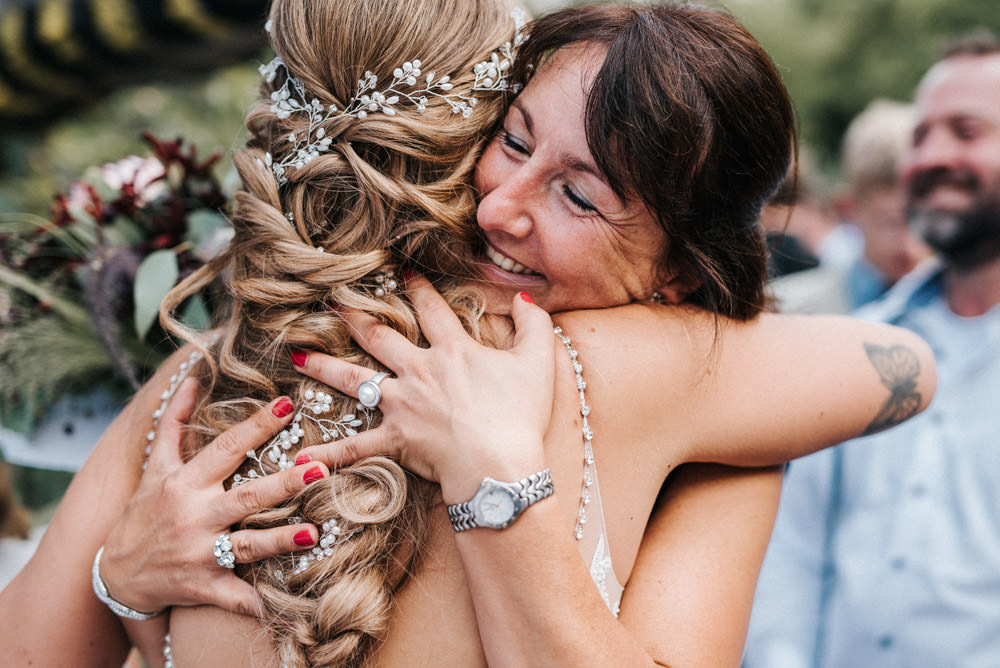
[(887, 548)]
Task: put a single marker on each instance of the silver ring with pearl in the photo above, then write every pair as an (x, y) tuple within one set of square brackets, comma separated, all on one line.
[(369, 393)]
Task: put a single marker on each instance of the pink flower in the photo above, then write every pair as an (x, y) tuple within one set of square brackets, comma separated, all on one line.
[(145, 175)]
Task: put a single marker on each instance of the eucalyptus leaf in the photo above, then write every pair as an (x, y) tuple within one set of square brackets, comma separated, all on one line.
[(196, 315), (202, 225), (156, 276)]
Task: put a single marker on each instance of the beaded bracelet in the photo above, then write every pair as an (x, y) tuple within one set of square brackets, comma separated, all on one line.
[(101, 591)]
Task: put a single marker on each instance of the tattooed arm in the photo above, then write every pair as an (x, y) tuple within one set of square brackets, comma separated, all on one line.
[(899, 370), (756, 393)]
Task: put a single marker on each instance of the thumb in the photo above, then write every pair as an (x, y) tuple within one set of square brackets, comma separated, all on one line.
[(533, 327), (236, 595), (165, 451)]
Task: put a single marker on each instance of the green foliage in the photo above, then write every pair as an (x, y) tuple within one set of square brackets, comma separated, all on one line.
[(836, 57), (156, 276)]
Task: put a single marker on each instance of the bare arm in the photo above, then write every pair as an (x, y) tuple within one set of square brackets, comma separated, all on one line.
[(52, 595), (752, 394), (533, 597), (157, 541), (699, 563)]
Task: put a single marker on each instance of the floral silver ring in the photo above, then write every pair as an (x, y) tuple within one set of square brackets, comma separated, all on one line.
[(223, 551), (369, 393)]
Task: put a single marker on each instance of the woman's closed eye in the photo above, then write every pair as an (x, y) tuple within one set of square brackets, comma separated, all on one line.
[(577, 201), (513, 143)]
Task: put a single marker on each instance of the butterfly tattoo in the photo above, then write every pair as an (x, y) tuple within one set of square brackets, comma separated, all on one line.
[(898, 368)]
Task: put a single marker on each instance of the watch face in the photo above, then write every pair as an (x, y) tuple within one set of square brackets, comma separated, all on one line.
[(496, 507)]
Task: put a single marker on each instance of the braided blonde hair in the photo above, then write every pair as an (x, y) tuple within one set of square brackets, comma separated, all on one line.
[(389, 190)]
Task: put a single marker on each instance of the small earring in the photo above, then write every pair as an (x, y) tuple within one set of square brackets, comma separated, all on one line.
[(656, 297)]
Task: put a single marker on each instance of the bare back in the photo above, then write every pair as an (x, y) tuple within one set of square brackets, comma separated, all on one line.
[(666, 386)]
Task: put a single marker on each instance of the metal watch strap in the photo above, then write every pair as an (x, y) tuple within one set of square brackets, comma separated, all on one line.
[(531, 489)]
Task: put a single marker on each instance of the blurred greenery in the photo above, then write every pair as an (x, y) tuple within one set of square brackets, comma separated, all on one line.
[(835, 57), (838, 56), (207, 112)]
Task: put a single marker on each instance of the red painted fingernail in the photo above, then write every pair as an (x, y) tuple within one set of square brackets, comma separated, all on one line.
[(407, 275), (312, 475), (282, 407), (302, 459), (304, 538), (299, 358), (526, 297)]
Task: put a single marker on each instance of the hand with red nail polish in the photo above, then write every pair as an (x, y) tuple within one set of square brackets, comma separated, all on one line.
[(187, 507), (422, 430)]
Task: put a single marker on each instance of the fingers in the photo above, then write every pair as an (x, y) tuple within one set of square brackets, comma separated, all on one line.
[(335, 372), (386, 344), (237, 596), (250, 545), (335, 454), (532, 324), (438, 321), (165, 453), (269, 491), (220, 458)]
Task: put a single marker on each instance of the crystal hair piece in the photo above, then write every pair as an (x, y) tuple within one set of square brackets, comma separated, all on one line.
[(331, 534), (409, 85), (275, 451)]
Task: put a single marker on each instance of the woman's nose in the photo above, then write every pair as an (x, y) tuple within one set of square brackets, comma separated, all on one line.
[(511, 206)]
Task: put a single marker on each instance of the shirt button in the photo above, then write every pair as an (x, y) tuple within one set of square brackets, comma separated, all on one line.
[(918, 490), (898, 564), (885, 642)]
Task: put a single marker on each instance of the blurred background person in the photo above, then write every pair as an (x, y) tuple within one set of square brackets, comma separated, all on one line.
[(873, 203), (886, 550)]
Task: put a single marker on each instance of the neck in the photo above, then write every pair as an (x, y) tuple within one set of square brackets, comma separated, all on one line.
[(973, 292)]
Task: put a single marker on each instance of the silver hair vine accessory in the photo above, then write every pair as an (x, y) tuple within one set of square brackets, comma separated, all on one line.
[(331, 534), (274, 454), (292, 98)]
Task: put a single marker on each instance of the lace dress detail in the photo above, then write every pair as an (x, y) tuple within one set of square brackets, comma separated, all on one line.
[(593, 541)]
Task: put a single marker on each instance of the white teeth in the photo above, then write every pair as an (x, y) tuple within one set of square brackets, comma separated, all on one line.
[(505, 262)]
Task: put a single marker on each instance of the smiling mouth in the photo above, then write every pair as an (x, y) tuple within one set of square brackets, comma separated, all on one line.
[(506, 263)]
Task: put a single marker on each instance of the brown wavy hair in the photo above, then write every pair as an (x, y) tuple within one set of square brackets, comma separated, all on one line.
[(688, 115), (395, 191), (391, 191)]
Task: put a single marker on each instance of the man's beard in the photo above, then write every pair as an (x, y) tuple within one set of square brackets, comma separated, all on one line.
[(968, 238)]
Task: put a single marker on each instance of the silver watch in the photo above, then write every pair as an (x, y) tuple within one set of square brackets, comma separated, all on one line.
[(496, 505)]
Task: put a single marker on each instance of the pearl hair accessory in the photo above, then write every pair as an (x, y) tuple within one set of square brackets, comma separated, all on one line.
[(276, 450), (331, 534), (292, 97)]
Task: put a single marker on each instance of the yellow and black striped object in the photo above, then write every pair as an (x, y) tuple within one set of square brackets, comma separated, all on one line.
[(58, 54)]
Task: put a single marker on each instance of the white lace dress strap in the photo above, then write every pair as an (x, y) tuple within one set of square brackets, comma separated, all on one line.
[(591, 530)]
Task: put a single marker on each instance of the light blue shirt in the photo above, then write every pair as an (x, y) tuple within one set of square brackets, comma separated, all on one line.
[(886, 551)]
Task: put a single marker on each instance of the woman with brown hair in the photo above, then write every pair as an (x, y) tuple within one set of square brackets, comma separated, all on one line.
[(628, 172)]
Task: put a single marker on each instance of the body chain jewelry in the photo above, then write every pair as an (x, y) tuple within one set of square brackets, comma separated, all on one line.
[(588, 435), (175, 382)]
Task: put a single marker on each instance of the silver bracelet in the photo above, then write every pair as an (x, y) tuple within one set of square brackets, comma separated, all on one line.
[(101, 592)]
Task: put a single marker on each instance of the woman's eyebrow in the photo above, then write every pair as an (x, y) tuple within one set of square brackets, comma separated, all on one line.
[(526, 118)]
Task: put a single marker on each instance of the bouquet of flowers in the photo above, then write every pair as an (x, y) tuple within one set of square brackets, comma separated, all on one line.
[(80, 291)]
